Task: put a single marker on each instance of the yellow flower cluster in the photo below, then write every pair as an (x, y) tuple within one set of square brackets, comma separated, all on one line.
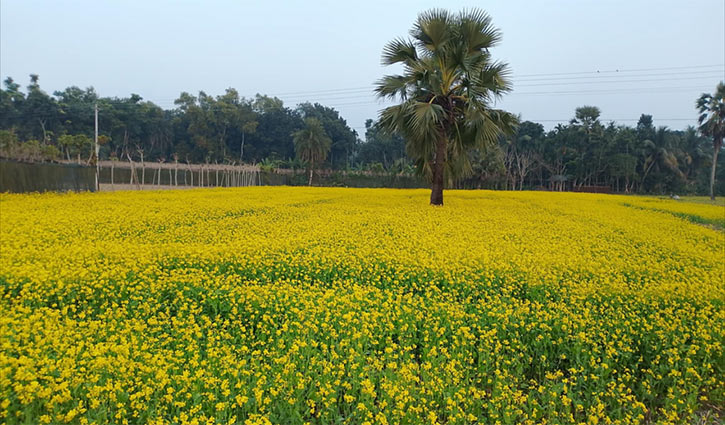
[(359, 306), (713, 215)]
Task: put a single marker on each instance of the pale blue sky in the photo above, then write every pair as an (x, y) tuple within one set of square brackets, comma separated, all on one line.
[(331, 51)]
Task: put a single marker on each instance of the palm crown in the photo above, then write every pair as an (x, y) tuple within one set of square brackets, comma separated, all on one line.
[(712, 113)]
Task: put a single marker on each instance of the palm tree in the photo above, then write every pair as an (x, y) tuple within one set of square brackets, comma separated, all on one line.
[(660, 154), (446, 90), (712, 124), (311, 144)]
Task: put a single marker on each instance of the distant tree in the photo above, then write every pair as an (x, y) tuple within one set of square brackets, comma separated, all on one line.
[(447, 87), (489, 168), (712, 124), (645, 127), (8, 142), (130, 122), (622, 161), (76, 109), (273, 136), (344, 139), (380, 146), (590, 145), (694, 152), (232, 119), (40, 112), (249, 127), (311, 144), (587, 117), (659, 156), (264, 103), (519, 152), (76, 145), (11, 100)]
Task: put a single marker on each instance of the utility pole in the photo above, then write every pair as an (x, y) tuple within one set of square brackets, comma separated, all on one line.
[(95, 140)]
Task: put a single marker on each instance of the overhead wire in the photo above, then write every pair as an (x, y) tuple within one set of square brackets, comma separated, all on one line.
[(593, 76)]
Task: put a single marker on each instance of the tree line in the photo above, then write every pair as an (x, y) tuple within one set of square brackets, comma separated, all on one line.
[(200, 128), (587, 153), (229, 128)]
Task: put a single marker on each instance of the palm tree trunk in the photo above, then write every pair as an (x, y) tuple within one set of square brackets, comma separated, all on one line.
[(436, 190), (309, 183), (718, 145)]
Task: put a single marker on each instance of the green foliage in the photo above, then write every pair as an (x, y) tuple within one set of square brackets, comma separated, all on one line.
[(31, 150), (76, 145), (380, 146), (8, 140)]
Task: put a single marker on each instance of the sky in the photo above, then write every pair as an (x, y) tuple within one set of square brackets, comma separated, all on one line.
[(626, 57)]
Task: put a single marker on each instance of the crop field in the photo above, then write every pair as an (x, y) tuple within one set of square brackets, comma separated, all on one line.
[(359, 306)]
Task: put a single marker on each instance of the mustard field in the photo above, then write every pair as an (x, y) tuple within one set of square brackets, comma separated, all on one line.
[(359, 306)]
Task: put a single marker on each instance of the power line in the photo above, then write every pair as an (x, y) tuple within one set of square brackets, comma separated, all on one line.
[(595, 81), (365, 94), (537, 75), (615, 81), (600, 119), (594, 76), (718, 72), (625, 70), (633, 90), (641, 90), (351, 96), (615, 119)]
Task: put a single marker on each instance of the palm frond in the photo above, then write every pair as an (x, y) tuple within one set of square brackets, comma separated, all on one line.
[(425, 118), (399, 51), (477, 31), (432, 29), (392, 86)]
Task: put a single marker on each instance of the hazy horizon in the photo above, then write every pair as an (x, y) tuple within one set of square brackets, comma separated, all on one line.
[(627, 58)]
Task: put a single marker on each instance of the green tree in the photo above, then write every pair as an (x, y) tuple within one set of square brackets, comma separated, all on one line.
[(590, 145), (519, 152), (712, 124), (76, 109), (658, 156), (11, 101), (41, 114), (380, 146), (694, 153), (622, 162), (344, 139), (273, 136), (447, 87), (311, 144), (76, 145)]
